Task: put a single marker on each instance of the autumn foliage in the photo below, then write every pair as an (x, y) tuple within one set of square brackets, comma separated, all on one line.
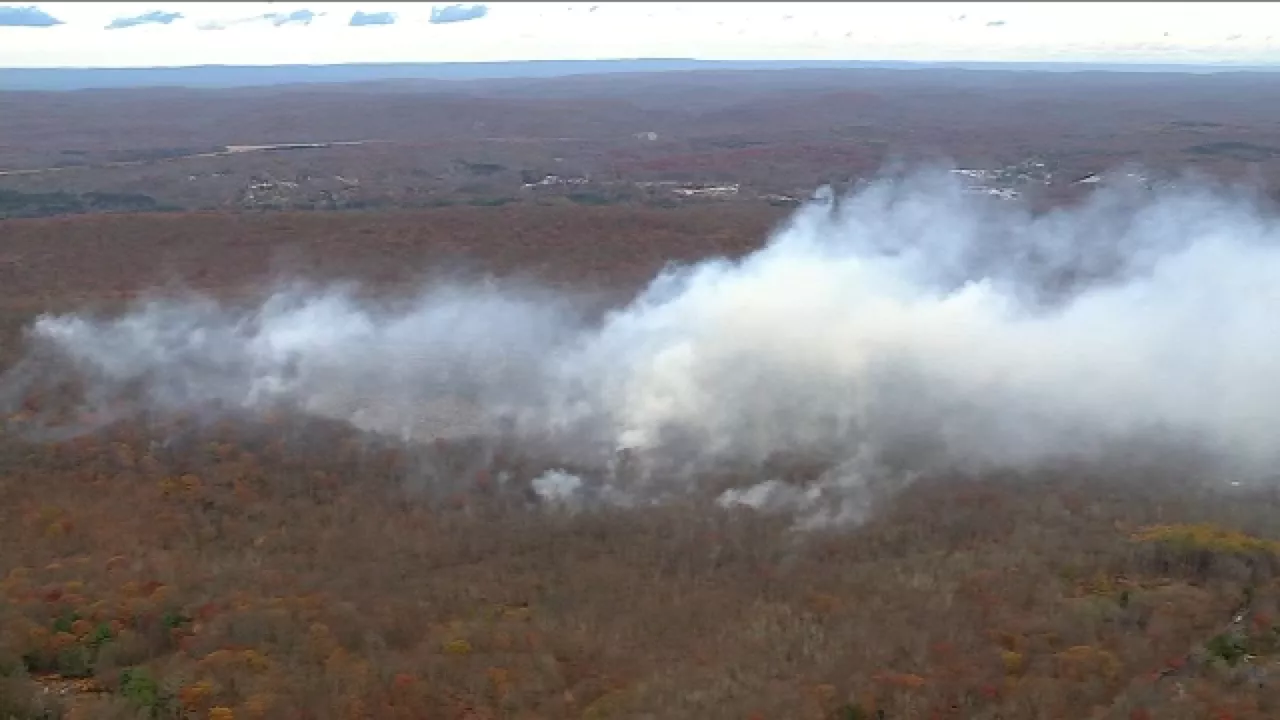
[(278, 569), (284, 568)]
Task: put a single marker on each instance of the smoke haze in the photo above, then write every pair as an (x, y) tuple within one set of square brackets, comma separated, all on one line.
[(909, 327)]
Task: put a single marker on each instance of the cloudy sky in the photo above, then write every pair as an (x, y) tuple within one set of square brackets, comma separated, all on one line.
[(166, 34)]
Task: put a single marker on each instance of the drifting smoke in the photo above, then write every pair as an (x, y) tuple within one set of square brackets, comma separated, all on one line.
[(909, 327)]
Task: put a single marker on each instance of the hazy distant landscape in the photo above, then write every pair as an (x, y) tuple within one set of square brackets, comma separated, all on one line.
[(248, 75), (647, 138)]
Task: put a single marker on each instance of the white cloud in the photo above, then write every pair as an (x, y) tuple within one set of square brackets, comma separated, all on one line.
[(1186, 32)]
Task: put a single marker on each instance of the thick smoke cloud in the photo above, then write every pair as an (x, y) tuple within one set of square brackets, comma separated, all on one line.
[(907, 328)]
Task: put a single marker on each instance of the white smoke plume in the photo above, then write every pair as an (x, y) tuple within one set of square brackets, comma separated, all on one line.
[(910, 326)]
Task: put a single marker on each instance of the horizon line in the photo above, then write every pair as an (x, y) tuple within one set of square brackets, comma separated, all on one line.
[(769, 61)]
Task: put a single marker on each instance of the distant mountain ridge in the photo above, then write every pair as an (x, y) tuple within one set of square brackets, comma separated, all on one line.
[(231, 76)]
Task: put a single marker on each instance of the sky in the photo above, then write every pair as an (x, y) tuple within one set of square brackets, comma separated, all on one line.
[(58, 34)]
